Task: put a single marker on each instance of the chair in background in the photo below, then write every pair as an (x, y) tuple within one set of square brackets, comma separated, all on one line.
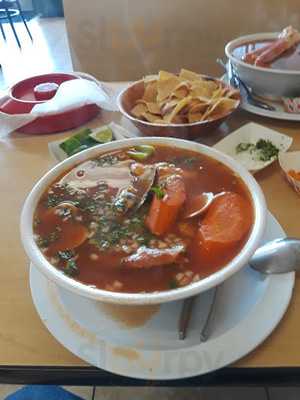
[(8, 10)]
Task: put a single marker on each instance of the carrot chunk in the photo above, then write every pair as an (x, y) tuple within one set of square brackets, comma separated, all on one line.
[(163, 212), (227, 221)]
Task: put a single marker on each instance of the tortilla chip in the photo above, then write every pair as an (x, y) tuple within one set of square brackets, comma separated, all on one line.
[(198, 108), (141, 101), (225, 105), (179, 106), (182, 90), (189, 75), (220, 107), (150, 117), (179, 119), (153, 108), (139, 110), (160, 121), (166, 87), (150, 78), (150, 93), (163, 75), (169, 106), (194, 117)]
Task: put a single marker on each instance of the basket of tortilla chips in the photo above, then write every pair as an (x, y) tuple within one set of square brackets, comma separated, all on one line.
[(185, 105)]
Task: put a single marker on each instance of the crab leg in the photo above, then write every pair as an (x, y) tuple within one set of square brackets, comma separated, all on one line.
[(266, 54)]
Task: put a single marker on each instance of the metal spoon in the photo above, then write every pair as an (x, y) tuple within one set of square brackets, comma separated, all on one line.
[(236, 82), (278, 256), (199, 204)]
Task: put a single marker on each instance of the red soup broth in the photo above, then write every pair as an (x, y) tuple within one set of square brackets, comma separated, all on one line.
[(81, 232), (289, 60)]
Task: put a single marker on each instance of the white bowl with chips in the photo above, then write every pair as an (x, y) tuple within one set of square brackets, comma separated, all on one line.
[(128, 98)]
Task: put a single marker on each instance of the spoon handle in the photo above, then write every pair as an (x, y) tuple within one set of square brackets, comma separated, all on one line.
[(206, 330), (185, 316)]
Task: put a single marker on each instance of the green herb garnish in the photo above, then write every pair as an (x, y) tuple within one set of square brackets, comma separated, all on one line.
[(264, 149), (173, 284), (159, 192), (66, 255), (71, 268), (267, 150), (51, 238), (244, 147), (110, 232), (183, 161), (104, 161)]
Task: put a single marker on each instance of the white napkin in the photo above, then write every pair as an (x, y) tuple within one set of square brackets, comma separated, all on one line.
[(70, 94)]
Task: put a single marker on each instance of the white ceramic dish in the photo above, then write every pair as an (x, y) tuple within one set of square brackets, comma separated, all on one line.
[(291, 161), (119, 133), (263, 81), (251, 133), (278, 113), (153, 351), (232, 267)]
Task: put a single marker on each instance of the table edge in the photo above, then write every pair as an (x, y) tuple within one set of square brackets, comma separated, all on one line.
[(92, 376)]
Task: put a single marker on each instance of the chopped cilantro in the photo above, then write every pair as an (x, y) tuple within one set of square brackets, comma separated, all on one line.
[(244, 147), (160, 194), (71, 268), (66, 255), (267, 150), (46, 241), (173, 284), (264, 150), (107, 160)]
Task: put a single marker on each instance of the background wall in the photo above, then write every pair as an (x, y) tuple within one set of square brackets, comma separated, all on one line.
[(26, 5), (124, 39)]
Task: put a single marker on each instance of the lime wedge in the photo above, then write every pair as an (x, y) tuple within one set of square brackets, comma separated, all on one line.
[(104, 135)]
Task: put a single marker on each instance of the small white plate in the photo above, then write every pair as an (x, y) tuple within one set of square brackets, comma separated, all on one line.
[(119, 133), (251, 133), (153, 351)]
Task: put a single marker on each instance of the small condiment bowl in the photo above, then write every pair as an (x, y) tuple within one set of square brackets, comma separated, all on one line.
[(126, 101), (290, 161), (239, 261)]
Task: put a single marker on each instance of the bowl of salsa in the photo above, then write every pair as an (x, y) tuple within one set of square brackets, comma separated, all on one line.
[(120, 223)]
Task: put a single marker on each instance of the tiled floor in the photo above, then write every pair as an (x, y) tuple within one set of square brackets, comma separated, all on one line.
[(48, 52), (151, 393), (235, 393)]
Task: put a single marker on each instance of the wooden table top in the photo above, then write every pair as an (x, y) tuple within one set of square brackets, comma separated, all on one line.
[(24, 341)]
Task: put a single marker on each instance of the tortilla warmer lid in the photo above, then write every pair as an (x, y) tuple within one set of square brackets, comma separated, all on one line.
[(22, 97)]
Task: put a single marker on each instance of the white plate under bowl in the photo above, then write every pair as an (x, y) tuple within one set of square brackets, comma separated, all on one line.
[(279, 112), (153, 351)]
